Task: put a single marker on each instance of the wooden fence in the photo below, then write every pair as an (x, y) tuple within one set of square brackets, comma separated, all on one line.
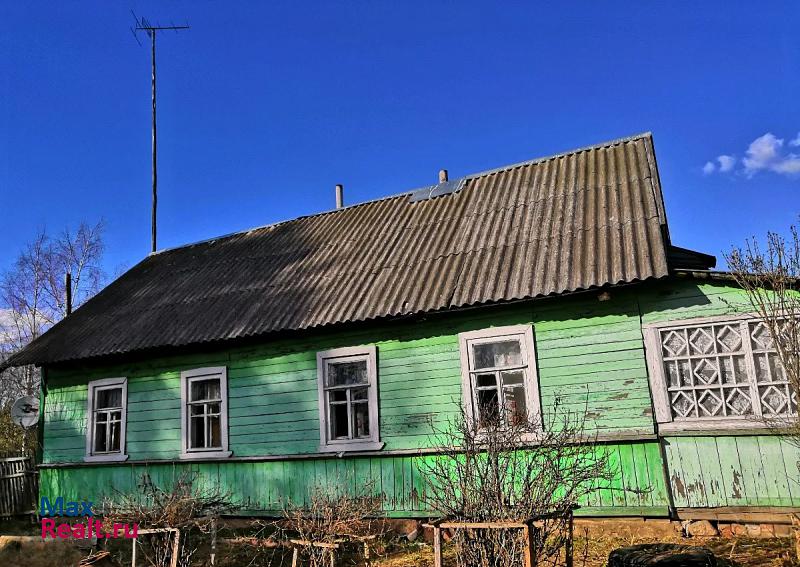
[(19, 486)]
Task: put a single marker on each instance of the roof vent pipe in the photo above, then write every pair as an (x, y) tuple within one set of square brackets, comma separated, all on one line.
[(339, 196), (442, 176)]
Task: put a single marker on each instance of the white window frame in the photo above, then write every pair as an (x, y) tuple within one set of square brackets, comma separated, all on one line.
[(373, 442), (187, 377), (523, 333), (659, 388), (106, 384)]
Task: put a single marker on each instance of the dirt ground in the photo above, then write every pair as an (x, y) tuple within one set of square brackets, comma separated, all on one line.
[(738, 552), (591, 551)]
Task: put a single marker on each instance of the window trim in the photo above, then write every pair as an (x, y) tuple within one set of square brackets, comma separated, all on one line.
[(373, 443), (658, 381), (188, 376), (492, 334), (89, 454)]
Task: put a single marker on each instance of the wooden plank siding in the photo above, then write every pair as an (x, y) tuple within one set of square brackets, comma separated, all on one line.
[(590, 355), (261, 488), (728, 471)]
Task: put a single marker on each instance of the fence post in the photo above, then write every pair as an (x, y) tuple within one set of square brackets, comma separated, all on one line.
[(437, 546)]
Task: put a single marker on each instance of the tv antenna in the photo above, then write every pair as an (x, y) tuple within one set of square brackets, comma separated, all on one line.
[(152, 30)]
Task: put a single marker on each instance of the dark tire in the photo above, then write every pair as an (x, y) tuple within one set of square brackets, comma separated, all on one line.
[(662, 555)]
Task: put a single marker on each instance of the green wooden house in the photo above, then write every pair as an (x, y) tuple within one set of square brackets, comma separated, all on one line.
[(268, 360)]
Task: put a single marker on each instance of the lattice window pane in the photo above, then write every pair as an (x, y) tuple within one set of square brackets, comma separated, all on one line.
[(738, 402), (733, 370), (709, 404), (729, 339), (674, 344), (706, 371), (760, 336), (683, 404), (701, 341)]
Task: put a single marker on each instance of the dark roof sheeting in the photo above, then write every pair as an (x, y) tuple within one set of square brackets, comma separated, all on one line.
[(578, 220)]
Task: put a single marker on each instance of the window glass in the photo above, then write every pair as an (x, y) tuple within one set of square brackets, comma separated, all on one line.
[(348, 399), (347, 373), (108, 398), (499, 354), (498, 375), (205, 389), (107, 418), (205, 413)]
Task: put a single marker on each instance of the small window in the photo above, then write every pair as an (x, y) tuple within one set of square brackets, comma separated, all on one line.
[(499, 381), (204, 411), (106, 415), (718, 372), (348, 395)]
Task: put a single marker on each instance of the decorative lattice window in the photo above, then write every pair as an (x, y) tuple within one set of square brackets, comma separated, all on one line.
[(717, 370)]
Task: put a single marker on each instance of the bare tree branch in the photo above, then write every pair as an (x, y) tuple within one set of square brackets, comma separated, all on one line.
[(770, 278), (497, 472), (33, 296)]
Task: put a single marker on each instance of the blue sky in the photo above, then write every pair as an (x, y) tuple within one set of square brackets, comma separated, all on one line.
[(264, 107)]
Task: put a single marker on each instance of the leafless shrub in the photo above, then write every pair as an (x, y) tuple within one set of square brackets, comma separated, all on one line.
[(184, 506), (499, 472), (770, 277), (335, 512)]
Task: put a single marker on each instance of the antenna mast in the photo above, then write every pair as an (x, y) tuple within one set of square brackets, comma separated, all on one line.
[(151, 30)]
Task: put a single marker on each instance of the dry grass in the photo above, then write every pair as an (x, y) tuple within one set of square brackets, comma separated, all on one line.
[(39, 554), (738, 552), (591, 552)]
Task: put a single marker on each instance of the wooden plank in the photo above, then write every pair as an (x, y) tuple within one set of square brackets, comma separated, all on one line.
[(774, 472), (731, 470)]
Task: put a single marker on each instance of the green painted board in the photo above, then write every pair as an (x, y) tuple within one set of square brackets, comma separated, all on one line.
[(263, 487)]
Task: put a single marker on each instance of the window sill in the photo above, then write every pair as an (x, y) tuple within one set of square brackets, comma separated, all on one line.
[(199, 455), (352, 447), (718, 427), (115, 458)]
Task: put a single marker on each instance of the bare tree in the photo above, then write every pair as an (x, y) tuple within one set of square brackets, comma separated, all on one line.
[(770, 277), (33, 298), (33, 294), (493, 471)]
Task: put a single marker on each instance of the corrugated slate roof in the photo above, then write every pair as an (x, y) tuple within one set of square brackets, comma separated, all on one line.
[(582, 219)]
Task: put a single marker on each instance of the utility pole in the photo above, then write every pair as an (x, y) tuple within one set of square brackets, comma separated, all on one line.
[(151, 30)]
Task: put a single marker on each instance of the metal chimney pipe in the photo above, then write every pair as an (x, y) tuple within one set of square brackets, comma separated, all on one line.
[(68, 293), (339, 196), (442, 176)]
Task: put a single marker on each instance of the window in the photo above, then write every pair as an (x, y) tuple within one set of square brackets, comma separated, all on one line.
[(106, 413), (204, 413), (348, 398), (499, 381), (716, 372)]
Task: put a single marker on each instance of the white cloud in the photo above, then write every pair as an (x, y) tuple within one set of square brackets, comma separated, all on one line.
[(789, 165), (726, 163), (765, 153), (762, 153)]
